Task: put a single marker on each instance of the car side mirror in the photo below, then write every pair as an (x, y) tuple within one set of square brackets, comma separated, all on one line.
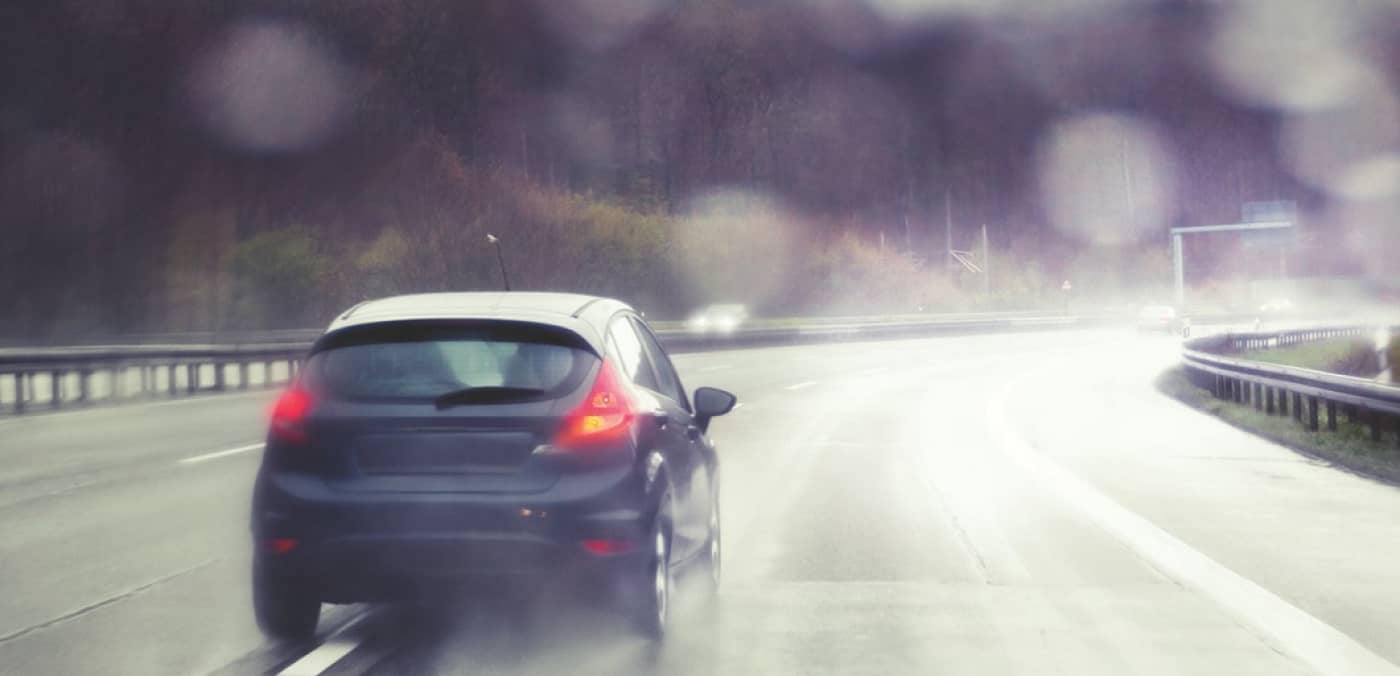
[(711, 402)]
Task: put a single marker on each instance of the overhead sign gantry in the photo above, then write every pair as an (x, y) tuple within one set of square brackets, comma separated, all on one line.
[(1257, 216)]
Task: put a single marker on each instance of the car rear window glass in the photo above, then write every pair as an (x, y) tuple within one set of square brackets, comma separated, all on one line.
[(669, 382), (629, 351), (432, 361)]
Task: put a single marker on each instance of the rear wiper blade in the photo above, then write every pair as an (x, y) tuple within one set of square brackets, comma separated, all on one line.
[(486, 395)]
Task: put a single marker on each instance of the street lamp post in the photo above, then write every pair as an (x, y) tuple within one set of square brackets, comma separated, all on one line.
[(500, 259)]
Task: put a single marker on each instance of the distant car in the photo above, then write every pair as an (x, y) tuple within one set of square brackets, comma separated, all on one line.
[(723, 318), (1161, 318), (477, 439)]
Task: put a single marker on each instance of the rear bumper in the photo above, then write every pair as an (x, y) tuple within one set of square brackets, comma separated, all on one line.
[(376, 546)]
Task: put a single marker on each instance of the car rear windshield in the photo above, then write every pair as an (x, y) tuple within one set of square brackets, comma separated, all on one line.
[(410, 361)]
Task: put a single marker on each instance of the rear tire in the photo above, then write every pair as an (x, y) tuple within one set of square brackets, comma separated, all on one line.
[(713, 561), (284, 611), (652, 609)]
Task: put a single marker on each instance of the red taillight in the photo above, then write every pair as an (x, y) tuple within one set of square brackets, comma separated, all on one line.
[(289, 415), (607, 547), (603, 415), (280, 545)]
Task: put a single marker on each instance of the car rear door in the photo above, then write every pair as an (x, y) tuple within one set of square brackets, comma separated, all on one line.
[(671, 439), (700, 459)]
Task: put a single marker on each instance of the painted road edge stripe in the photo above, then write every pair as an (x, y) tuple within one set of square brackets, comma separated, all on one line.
[(798, 386), (221, 454), (1292, 630)]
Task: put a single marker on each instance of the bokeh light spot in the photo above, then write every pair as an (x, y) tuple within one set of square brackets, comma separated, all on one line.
[(1107, 178), (270, 86)]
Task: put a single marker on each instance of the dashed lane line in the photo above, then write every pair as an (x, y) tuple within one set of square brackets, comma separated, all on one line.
[(339, 644), (220, 454)]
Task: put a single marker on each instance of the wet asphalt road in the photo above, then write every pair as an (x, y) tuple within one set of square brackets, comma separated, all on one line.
[(1006, 504)]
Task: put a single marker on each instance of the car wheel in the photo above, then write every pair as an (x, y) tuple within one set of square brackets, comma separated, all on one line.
[(284, 611), (653, 606), (713, 550)]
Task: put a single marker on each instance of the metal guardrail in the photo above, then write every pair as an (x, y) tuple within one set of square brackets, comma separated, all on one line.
[(58, 377), (1305, 394), (67, 376)]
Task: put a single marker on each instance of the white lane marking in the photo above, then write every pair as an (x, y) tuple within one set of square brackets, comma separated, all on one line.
[(1288, 628), (716, 367), (220, 454), (340, 643), (798, 386)]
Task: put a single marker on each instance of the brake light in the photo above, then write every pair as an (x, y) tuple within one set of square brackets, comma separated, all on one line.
[(607, 547), (280, 545), (603, 415), (289, 415)]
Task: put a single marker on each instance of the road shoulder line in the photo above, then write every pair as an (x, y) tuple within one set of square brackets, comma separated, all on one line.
[(1284, 626)]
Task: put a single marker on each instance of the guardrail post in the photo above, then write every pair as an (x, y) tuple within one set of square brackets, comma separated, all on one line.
[(1312, 413), (1258, 397), (170, 379), (219, 375), (116, 390), (191, 378), (19, 392), (242, 375), (55, 389), (1269, 400), (1298, 407), (1374, 417), (84, 387), (1331, 416)]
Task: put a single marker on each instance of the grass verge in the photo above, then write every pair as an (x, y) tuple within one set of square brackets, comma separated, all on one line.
[(1351, 356), (1350, 446)]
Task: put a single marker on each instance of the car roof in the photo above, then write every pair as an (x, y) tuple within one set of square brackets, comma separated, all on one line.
[(582, 314)]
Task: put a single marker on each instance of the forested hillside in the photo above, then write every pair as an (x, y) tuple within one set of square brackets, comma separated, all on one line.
[(207, 165)]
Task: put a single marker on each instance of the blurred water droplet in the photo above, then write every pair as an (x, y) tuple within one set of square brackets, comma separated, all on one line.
[(270, 86), (598, 24), (735, 245), (1107, 178), (1343, 149)]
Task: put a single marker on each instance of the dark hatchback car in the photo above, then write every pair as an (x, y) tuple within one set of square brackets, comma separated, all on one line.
[(448, 440)]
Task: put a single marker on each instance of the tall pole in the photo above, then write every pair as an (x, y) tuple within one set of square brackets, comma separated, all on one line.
[(500, 259), (948, 229), (1127, 181), (1180, 268), (986, 263)]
